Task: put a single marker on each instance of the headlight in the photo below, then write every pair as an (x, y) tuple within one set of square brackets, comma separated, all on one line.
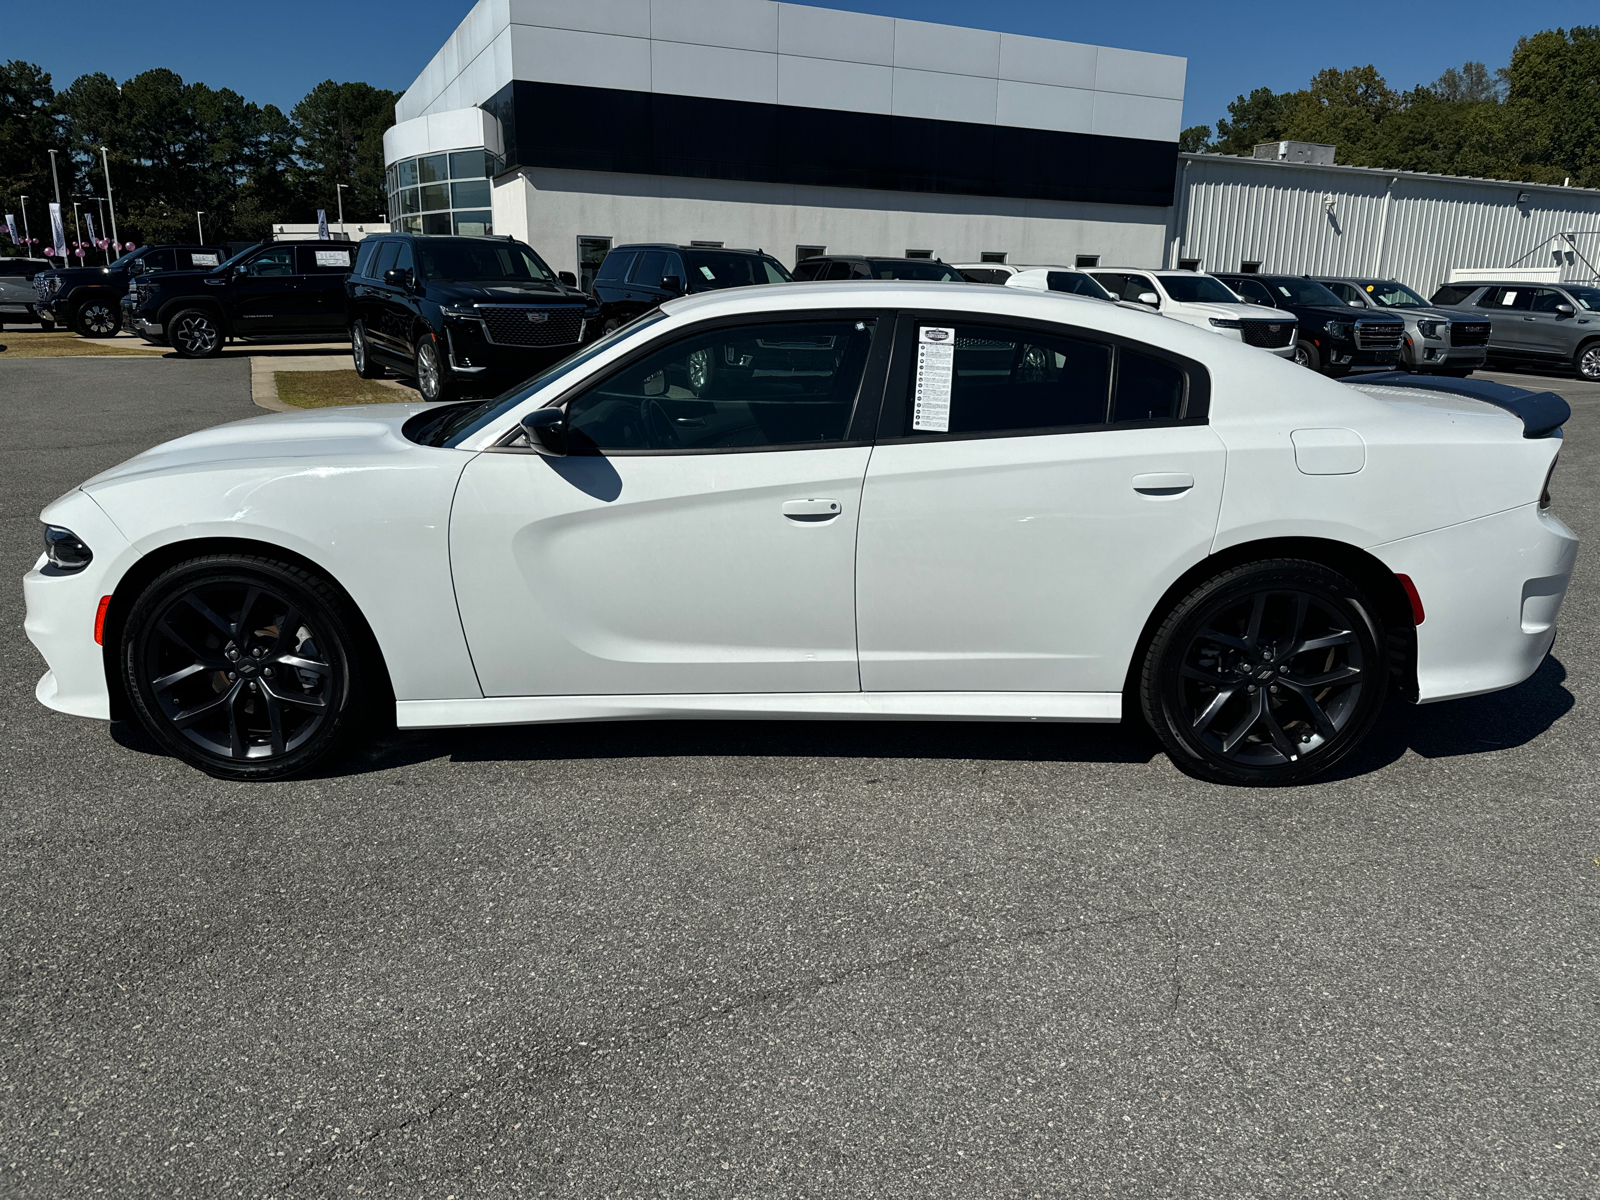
[(65, 549), (1227, 322), (1430, 329), (55, 283), (451, 310), (1339, 330)]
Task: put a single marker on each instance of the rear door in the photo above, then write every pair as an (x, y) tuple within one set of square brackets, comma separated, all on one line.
[(1506, 307), (323, 268), (1032, 494)]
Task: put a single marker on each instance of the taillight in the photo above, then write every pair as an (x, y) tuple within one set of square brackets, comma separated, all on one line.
[(1544, 494)]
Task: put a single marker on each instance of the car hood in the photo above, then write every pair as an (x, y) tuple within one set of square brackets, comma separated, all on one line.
[(77, 275), (504, 293), (1247, 312), (1432, 314), (1345, 313), (326, 434)]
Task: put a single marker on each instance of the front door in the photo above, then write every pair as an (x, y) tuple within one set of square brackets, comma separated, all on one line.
[(1550, 333), (700, 538), (266, 295), (1020, 524)]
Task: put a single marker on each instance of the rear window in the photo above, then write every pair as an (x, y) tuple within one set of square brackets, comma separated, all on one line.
[(915, 268), (324, 259), (1453, 293), (615, 267), (990, 275), (198, 260), (709, 269)]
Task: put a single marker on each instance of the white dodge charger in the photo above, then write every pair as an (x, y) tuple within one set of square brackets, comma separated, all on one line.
[(857, 500)]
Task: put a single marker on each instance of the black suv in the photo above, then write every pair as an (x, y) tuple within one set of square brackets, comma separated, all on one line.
[(86, 298), (1332, 338), (271, 292), (634, 279), (854, 266), (462, 313)]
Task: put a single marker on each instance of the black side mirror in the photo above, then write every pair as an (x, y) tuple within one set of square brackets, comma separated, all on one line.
[(671, 283), (399, 277), (568, 278), (547, 431)]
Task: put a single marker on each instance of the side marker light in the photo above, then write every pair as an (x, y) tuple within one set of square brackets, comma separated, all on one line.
[(1417, 615), (100, 621)]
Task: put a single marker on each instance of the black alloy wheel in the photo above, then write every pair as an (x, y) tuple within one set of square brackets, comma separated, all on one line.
[(97, 318), (1266, 674), (244, 667), (361, 353), (195, 333)]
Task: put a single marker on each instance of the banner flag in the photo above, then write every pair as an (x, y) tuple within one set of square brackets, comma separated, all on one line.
[(57, 230), (322, 224), (11, 228), (89, 217)]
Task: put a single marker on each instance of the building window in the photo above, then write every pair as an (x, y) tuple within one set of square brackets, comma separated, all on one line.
[(1249, 268), (801, 253), (443, 193), (994, 256), (1087, 260), (592, 252), (1188, 264), (919, 253)]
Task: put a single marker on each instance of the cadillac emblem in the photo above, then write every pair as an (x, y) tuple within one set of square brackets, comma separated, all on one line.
[(538, 318), (1274, 328)]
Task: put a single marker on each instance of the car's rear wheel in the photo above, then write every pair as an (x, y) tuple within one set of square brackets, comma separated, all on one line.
[(361, 353), (1587, 361), (1265, 674), (96, 318), (195, 333), (432, 381), (245, 667)]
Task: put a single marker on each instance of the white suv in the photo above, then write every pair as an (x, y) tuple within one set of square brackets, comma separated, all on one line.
[(1204, 300)]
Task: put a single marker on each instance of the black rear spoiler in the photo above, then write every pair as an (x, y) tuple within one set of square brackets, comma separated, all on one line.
[(1541, 413)]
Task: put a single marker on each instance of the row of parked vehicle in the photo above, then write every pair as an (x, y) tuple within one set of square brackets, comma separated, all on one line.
[(463, 313)]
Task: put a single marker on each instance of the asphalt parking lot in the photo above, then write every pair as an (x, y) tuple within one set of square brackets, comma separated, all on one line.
[(762, 960)]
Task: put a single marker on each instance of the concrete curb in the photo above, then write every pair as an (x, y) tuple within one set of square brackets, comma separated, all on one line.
[(264, 387), (264, 383)]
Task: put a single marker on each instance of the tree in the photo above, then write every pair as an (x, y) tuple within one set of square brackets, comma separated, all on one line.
[(1259, 117), (1195, 139), (1472, 84), (27, 131), (339, 128)]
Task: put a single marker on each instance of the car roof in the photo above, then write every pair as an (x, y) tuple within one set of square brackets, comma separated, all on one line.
[(678, 246), (1145, 270)]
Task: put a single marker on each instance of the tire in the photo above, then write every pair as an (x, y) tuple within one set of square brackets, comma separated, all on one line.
[(1306, 355), (361, 353), (97, 318), (195, 333), (432, 381), (214, 673), (1586, 362), (1230, 697)]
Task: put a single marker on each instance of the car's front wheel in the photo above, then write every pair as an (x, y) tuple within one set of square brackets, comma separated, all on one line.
[(1587, 362), (244, 667), (1306, 355), (195, 333), (96, 318), (1265, 674)]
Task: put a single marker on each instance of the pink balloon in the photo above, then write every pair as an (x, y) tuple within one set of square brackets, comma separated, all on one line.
[(79, 253)]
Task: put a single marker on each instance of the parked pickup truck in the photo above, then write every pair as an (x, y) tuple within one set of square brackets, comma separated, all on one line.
[(86, 298), (272, 292), (1333, 338)]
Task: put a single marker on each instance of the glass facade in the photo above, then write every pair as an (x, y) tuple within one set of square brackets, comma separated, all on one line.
[(443, 193)]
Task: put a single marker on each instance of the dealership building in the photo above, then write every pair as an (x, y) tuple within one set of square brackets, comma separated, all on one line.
[(577, 125)]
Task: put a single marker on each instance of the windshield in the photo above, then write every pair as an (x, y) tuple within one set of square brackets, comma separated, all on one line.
[(915, 268), (1302, 291), (1395, 295), (1587, 297), (473, 418), (708, 269), (238, 256), (125, 259), (1078, 284), (468, 260), (1197, 289)]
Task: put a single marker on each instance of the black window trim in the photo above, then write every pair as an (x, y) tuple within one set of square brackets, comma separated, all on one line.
[(864, 415), (895, 408)]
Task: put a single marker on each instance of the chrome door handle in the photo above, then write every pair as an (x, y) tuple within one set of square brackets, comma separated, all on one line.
[(811, 511), (1163, 483)]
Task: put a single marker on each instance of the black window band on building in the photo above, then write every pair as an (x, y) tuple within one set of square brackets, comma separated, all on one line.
[(645, 133)]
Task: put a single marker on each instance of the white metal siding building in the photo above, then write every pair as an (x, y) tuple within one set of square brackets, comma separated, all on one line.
[(1289, 218)]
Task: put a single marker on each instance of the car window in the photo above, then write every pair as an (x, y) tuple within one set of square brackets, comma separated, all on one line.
[(914, 268), (1545, 300), (673, 265), (1587, 298), (1452, 293), (1345, 291), (469, 260), (840, 270), (647, 270), (747, 387), (1517, 299), (713, 269), (403, 258), (809, 269), (387, 253), (990, 275), (325, 259), (1077, 284), (197, 260), (1301, 291), (1198, 289), (615, 267), (1148, 389), (275, 263), (1390, 294), (1254, 292), (1126, 286), (364, 256), (160, 260), (1000, 380)]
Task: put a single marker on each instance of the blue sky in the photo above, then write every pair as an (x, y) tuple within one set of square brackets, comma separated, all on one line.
[(276, 53)]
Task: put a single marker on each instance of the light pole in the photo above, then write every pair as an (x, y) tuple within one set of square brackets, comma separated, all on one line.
[(338, 191), (26, 236), (199, 236), (106, 166)]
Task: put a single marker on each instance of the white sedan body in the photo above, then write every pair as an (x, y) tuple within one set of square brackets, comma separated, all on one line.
[(942, 575)]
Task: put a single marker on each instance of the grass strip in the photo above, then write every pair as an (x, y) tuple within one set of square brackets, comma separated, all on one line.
[(329, 389), (33, 343)]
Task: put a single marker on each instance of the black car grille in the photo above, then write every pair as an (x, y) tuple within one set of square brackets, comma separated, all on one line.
[(1469, 333), (1375, 335), (532, 324), (42, 288), (1269, 335)]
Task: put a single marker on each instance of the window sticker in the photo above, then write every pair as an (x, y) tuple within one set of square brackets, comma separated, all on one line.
[(706, 271), (203, 260), (936, 360), (333, 258), (1508, 299)]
